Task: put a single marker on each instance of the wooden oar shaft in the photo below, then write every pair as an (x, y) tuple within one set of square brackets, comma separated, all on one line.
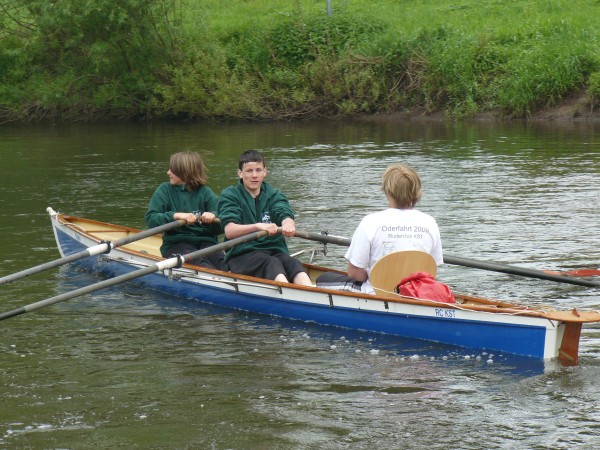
[(104, 247), (162, 265), (459, 261)]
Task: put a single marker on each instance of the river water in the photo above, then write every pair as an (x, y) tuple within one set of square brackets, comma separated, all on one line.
[(127, 368)]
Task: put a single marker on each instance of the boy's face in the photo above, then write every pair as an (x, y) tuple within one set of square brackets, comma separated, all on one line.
[(252, 175)]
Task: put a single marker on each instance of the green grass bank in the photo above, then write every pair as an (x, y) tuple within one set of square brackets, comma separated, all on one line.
[(274, 59)]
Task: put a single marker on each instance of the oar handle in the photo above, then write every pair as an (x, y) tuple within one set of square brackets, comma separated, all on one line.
[(154, 231)]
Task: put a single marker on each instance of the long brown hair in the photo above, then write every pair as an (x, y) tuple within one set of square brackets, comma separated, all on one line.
[(190, 167)]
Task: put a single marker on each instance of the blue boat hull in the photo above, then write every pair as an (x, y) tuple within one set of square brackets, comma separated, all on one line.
[(443, 325)]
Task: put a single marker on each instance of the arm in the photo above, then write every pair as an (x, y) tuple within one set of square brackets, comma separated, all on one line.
[(436, 250), (190, 218), (232, 214), (235, 230), (356, 273), (288, 227), (282, 212), (163, 207), (358, 255), (158, 212), (210, 208)]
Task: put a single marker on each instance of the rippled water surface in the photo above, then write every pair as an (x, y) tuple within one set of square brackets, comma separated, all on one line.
[(128, 368)]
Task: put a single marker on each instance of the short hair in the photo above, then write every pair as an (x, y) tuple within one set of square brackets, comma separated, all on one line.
[(250, 156), (190, 167), (403, 185)]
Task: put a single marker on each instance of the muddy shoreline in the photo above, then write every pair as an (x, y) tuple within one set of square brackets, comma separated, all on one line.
[(576, 108)]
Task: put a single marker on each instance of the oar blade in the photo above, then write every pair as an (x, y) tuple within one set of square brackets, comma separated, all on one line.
[(575, 272)]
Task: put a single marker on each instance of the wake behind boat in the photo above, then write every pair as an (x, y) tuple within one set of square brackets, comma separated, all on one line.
[(471, 322)]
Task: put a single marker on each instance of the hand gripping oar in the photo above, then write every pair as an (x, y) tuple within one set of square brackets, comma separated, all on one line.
[(161, 265), (103, 247), (456, 260)]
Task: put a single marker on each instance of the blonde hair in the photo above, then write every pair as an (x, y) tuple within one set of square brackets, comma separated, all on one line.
[(190, 167), (403, 185)]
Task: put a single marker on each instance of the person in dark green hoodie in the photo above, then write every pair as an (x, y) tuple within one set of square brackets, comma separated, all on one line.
[(254, 205), (186, 196)]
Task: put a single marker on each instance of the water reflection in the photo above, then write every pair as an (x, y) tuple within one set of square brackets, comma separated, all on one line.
[(127, 367)]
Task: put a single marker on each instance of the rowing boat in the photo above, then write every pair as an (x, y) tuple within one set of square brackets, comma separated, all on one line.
[(472, 322)]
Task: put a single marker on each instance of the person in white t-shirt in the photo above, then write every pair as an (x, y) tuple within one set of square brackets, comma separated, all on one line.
[(399, 227)]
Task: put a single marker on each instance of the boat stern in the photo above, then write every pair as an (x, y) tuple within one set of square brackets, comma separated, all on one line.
[(568, 352)]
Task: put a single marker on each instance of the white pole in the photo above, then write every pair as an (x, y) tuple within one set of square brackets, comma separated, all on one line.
[(328, 7)]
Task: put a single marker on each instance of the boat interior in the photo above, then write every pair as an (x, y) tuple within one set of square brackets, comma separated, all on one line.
[(386, 276)]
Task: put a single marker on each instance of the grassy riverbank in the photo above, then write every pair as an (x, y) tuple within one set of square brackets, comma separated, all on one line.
[(276, 59)]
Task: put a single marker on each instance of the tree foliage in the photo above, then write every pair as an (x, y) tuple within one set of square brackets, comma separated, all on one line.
[(274, 59), (87, 55)]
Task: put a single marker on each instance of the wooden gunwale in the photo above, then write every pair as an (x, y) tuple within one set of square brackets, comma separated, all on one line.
[(99, 231)]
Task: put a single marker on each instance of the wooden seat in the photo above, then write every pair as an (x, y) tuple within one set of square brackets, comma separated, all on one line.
[(389, 270)]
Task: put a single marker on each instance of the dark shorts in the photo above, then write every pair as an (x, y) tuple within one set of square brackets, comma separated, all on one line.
[(215, 260), (340, 282), (266, 265)]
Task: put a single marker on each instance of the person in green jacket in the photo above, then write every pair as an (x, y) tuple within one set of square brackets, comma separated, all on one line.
[(186, 196), (254, 205)]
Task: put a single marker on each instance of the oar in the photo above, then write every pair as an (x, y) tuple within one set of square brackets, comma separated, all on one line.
[(161, 265), (324, 238), (103, 247), (456, 260), (514, 270)]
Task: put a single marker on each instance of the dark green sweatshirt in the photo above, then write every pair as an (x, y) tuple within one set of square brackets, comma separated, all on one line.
[(169, 199), (236, 205)]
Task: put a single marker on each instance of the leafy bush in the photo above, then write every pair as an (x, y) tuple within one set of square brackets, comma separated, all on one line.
[(271, 59), (299, 41), (90, 53)]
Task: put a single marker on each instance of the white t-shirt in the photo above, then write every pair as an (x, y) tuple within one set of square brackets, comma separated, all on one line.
[(393, 230)]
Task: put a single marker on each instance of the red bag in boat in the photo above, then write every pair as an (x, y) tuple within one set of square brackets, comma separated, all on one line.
[(423, 285)]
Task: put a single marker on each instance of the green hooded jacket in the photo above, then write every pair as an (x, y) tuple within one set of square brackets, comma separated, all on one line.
[(169, 199), (236, 205)]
